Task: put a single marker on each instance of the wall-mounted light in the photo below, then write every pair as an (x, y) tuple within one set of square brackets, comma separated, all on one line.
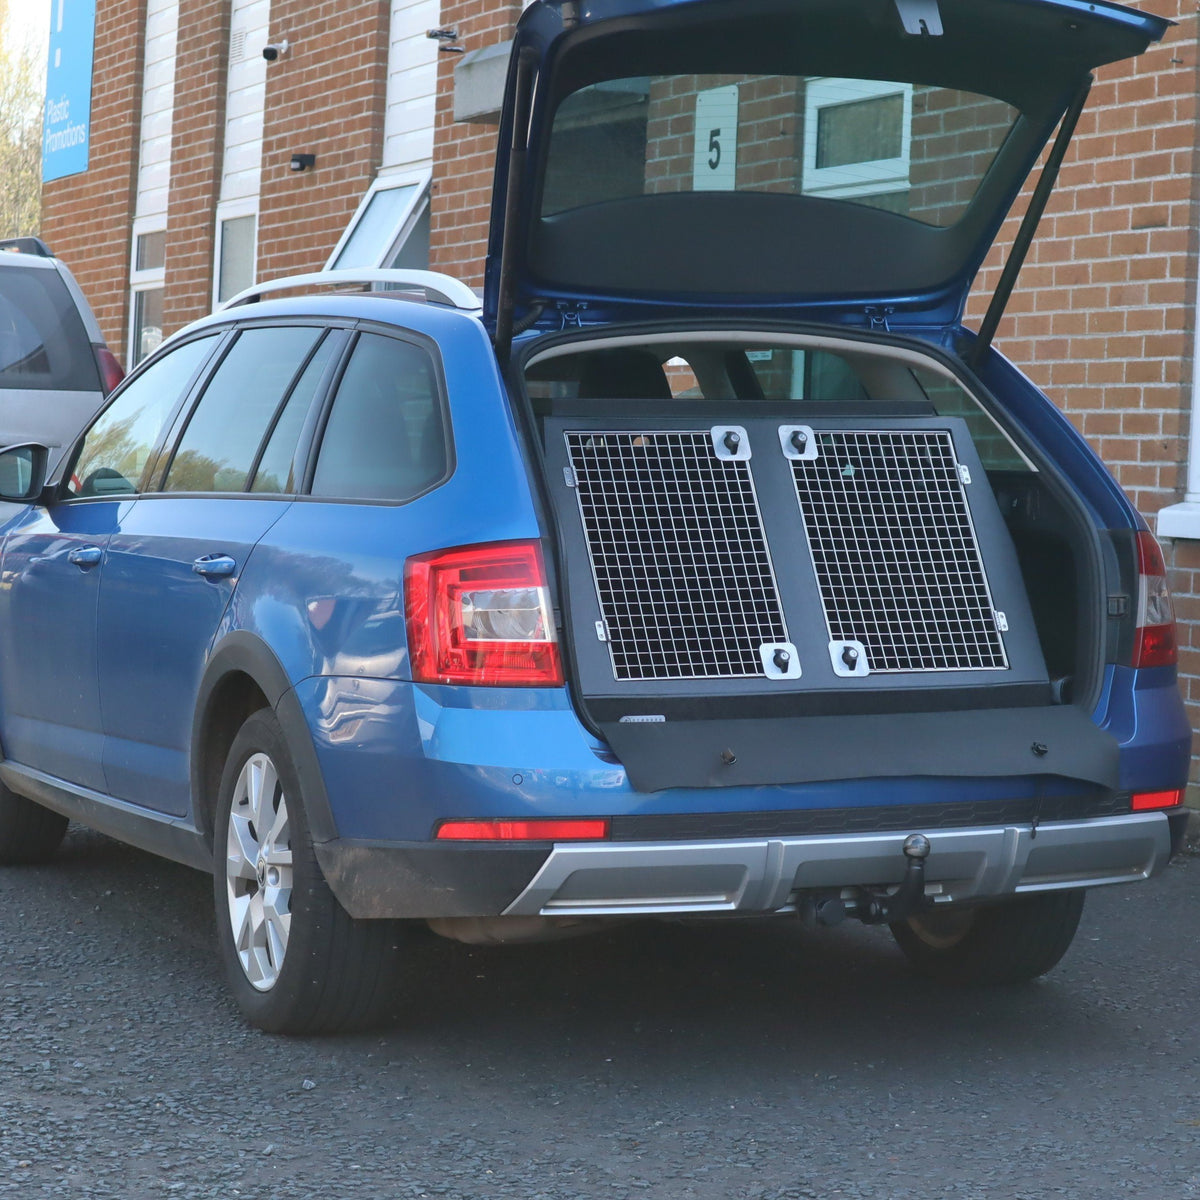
[(302, 162), (444, 37)]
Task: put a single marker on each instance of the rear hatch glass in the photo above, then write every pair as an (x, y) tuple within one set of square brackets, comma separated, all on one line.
[(43, 344), (914, 150)]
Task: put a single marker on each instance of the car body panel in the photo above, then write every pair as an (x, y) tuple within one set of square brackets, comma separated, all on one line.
[(157, 620), (49, 688)]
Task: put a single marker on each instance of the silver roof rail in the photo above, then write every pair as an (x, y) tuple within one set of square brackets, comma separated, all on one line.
[(442, 289)]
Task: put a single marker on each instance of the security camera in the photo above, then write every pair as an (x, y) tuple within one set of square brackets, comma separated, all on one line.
[(275, 50)]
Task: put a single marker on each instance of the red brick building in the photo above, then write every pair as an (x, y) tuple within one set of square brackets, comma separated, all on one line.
[(199, 182)]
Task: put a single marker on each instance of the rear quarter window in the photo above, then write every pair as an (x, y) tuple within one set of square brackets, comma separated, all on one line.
[(43, 343), (385, 438)]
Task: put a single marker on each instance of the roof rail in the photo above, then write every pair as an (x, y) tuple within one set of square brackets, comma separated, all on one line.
[(442, 289), (26, 245)]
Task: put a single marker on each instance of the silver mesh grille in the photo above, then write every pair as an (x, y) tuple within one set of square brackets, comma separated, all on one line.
[(897, 562), (678, 553)]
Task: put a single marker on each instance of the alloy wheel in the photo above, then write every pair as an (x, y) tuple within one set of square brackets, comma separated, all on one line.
[(258, 871)]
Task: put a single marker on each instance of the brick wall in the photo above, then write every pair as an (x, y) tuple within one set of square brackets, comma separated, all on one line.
[(87, 218), (325, 97), (1103, 314), (464, 154), (197, 140)]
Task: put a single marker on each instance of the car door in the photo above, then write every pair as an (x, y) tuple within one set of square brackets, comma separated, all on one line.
[(173, 565), (50, 577)]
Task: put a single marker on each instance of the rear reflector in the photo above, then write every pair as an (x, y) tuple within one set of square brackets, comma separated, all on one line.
[(523, 831), (1144, 800), (481, 615), (1154, 638)]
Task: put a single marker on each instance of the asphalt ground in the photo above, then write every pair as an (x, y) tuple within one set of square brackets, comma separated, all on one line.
[(750, 1059)]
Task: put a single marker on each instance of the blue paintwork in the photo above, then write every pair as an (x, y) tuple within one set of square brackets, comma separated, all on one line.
[(320, 585), (157, 619), (49, 691)]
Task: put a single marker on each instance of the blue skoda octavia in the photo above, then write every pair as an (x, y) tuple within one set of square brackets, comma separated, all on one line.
[(707, 565)]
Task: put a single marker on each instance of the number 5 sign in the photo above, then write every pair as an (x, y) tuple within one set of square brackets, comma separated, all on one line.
[(714, 163)]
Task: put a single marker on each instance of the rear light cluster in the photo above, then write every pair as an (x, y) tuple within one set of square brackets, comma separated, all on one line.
[(111, 371), (481, 615), (1154, 636), (537, 830)]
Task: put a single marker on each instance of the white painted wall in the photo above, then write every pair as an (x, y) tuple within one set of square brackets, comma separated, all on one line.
[(245, 99), (411, 86), (158, 108)]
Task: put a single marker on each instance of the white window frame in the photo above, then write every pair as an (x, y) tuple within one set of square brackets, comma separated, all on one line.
[(143, 281), (230, 210), (873, 178), (1182, 520), (405, 222)]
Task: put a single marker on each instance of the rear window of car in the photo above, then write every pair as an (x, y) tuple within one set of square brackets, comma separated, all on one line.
[(918, 151), (43, 343)]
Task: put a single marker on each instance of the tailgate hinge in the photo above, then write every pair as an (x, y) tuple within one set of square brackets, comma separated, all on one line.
[(878, 317), (571, 314)]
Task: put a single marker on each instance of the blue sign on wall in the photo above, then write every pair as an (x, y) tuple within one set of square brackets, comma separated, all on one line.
[(68, 88)]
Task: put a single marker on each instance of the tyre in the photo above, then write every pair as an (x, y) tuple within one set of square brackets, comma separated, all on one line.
[(1009, 942), (296, 961), (29, 833)]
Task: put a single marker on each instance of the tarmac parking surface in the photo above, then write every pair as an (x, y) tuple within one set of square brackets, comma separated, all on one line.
[(733, 1059)]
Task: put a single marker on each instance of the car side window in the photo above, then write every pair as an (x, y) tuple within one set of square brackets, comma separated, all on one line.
[(385, 439), (228, 425), (117, 448), (276, 470)]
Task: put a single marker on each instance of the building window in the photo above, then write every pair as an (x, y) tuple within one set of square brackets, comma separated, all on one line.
[(389, 229), (857, 141), (236, 255), (146, 278)]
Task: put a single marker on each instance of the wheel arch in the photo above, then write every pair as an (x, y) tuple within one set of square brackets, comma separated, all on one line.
[(243, 675)]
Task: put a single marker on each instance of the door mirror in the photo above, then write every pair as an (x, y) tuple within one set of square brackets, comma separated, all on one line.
[(23, 471)]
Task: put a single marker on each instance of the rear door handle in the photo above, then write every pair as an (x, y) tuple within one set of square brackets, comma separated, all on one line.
[(214, 566), (86, 557)]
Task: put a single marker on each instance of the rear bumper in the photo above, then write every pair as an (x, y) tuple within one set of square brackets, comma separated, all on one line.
[(748, 875)]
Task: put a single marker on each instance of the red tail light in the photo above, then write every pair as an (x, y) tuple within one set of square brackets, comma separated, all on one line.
[(523, 831), (111, 371), (1146, 800), (1154, 637), (481, 615)]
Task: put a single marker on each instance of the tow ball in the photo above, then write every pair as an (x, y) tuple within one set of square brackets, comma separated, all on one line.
[(872, 908), (909, 898)]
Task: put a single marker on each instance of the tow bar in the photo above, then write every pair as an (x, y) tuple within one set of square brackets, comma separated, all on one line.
[(880, 909)]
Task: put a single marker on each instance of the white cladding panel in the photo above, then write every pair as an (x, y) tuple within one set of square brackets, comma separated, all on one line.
[(245, 100), (411, 86), (158, 108)]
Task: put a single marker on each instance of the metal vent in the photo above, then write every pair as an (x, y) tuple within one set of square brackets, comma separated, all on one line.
[(678, 555), (897, 561)]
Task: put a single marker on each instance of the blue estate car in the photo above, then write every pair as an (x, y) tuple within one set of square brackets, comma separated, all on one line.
[(709, 566)]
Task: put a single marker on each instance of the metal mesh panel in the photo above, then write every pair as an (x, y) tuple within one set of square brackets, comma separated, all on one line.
[(897, 562), (678, 555)]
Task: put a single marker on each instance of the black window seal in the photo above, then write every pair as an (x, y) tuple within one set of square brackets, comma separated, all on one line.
[(178, 434), (401, 334), (220, 338), (298, 454)]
